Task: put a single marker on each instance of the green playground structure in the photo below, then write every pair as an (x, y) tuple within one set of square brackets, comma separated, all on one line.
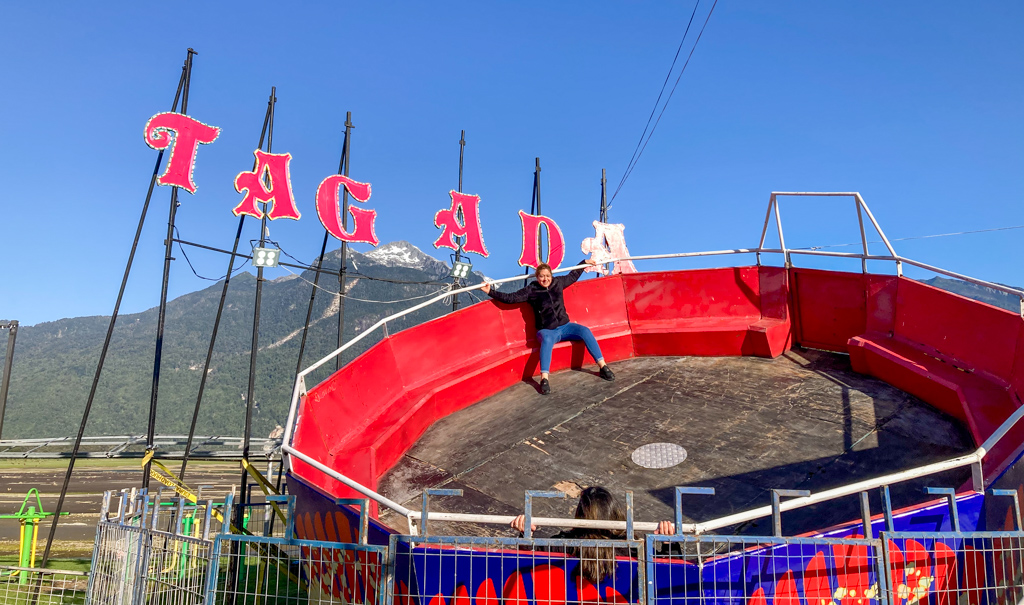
[(29, 516)]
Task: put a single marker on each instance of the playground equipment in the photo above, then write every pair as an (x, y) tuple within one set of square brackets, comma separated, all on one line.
[(29, 516)]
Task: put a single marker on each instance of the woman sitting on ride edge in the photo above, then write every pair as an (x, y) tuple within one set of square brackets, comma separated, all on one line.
[(553, 325)]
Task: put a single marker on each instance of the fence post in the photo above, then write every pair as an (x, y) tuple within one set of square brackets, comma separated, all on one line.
[(214, 570), (389, 579), (702, 491), (649, 542), (777, 495), (885, 588), (142, 565), (1012, 493), (528, 512), (641, 563), (94, 565), (950, 494)]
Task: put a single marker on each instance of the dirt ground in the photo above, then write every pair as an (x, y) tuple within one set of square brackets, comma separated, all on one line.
[(77, 531)]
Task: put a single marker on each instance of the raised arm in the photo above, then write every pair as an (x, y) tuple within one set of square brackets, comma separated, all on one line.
[(510, 298), (570, 278)]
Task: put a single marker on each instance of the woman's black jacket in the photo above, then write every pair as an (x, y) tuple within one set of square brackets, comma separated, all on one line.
[(548, 308)]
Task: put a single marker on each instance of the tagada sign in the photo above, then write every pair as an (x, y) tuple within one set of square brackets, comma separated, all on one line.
[(269, 183)]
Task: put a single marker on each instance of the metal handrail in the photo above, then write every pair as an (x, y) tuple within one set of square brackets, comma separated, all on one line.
[(966, 278), (117, 446), (972, 459)]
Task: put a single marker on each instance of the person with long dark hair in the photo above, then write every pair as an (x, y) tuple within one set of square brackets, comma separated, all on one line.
[(596, 562), (552, 322)]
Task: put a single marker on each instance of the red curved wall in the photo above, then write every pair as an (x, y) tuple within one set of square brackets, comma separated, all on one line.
[(962, 356)]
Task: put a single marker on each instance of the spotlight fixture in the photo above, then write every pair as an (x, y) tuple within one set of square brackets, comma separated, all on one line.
[(460, 269), (265, 257)]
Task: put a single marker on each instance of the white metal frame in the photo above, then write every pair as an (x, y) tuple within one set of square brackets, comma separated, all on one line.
[(973, 459)]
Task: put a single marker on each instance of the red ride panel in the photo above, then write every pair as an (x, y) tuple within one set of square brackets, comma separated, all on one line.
[(704, 312), (1017, 376), (830, 307), (353, 397), (773, 334), (599, 304), (674, 295), (983, 336), (446, 347), (881, 304), (773, 286)]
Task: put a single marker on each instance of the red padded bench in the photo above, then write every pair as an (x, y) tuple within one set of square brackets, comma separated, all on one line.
[(955, 353), (709, 312), (945, 383)]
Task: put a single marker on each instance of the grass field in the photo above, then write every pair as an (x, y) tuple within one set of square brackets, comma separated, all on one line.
[(72, 564), (76, 532)]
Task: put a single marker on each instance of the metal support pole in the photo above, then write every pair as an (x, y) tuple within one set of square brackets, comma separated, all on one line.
[(536, 197), (604, 197), (701, 491), (629, 516), (251, 390), (764, 230), (777, 495), (458, 241), (1011, 493), (424, 511), (12, 334), (342, 163), (345, 153), (890, 525), (863, 238), (535, 210), (109, 335), (950, 494), (782, 239), (162, 314), (216, 322), (241, 508), (878, 228), (865, 515), (528, 507)]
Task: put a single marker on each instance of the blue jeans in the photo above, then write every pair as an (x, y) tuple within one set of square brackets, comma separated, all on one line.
[(570, 331)]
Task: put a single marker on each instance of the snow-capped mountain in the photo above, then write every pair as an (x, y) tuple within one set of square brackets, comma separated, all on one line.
[(404, 254), (391, 278)]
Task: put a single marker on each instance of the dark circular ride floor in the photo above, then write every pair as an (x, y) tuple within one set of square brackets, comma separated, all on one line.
[(802, 421)]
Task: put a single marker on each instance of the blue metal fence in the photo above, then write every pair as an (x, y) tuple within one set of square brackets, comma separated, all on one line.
[(186, 557)]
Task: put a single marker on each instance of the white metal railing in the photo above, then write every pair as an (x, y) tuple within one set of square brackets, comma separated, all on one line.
[(116, 446), (973, 459)]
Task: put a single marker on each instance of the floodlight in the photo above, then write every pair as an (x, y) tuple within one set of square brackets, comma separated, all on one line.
[(461, 269), (265, 257)]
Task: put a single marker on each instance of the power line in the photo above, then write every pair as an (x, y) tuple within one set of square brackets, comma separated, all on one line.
[(643, 143), (664, 84), (303, 266), (903, 239), (196, 273), (347, 297)]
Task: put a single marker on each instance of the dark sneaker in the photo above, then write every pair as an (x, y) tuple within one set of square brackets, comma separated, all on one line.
[(607, 373), (545, 386)]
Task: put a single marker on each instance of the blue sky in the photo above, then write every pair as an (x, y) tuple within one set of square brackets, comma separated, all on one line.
[(917, 105)]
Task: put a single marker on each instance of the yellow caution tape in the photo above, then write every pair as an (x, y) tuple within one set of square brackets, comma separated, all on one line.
[(167, 478), (265, 485)]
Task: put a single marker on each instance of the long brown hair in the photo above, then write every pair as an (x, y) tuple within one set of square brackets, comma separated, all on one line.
[(597, 503)]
